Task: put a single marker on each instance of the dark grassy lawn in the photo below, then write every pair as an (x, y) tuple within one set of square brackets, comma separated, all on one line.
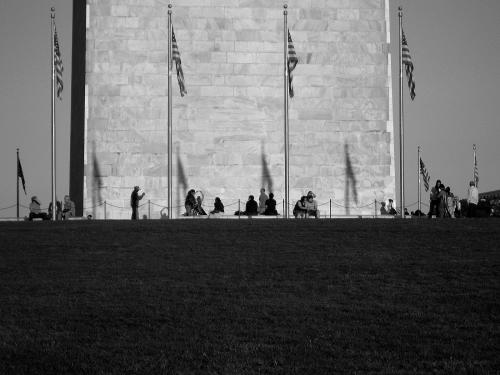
[(249, 297)]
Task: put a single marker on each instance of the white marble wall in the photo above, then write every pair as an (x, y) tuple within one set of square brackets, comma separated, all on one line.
[(228, 130)]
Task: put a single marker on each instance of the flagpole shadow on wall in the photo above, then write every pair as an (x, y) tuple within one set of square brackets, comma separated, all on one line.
[(350, 181), (96, 183), (182, 182), (267, 179)]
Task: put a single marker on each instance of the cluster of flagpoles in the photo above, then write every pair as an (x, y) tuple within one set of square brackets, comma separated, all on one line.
[(290, 62)]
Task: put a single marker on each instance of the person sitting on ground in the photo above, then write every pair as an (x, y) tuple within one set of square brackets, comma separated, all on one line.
[(383, 210), (199, 201), (271, 206), (311, 205), (251, 207), (68, 208), (390, 208), (300, 210), (190, 203), (36, 211), (218, 207), (262, 201)]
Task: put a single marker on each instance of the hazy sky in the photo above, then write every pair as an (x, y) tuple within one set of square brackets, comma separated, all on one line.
[(455, 46)]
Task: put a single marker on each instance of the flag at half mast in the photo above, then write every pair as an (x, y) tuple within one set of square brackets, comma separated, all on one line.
[(176, 56), (425, 175), (20, 173), (292, 62), (408, 66), (58, 65)]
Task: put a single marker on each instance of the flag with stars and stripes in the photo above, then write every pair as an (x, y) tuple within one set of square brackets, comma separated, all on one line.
[(292, 62), (58, 65), (176, 56), (408, 66), (425, 175)]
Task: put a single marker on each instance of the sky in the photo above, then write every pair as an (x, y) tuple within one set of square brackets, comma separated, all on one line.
[(455, 48)]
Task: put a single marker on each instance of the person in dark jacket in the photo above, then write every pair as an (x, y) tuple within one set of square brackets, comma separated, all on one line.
[(134, 202), (218, 207), (251, 207), (271, 206)]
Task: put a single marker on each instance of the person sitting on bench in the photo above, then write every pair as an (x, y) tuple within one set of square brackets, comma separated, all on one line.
[(35, 210)]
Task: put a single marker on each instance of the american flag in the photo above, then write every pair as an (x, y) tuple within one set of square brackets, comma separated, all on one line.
[(476, 171), (292, 63), (425, 175), (176, 56), (58, 65), (408, 66), (20, 173)]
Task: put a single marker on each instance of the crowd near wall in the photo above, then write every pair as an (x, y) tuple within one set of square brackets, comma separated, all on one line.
[(228, 130)]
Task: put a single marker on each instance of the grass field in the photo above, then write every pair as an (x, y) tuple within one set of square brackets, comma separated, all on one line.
[(250, 297)]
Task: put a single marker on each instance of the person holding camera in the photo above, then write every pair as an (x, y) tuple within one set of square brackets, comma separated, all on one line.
[(134, 202)]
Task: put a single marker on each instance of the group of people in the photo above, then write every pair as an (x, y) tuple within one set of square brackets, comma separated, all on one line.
[(443, 203), (64, 210), (389, 209), (266, 205)]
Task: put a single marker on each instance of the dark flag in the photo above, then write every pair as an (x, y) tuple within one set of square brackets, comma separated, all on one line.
[(58, 65), (425, 175), (476, 171), (20, 174), (176, 56), (408, 66), (291, 64)]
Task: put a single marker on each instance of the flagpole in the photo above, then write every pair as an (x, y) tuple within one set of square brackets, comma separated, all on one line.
[(419, 182), (52, 114), (286, 128), (401, 124), (17, 179), (169, 121)]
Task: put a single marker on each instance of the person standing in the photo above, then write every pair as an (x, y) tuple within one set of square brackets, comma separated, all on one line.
[(262, 201), (134, 202), (472, 200), (434, 200)]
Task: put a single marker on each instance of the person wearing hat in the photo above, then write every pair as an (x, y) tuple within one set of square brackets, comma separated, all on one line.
[(311, 205), (134, 202), (36, 211)]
